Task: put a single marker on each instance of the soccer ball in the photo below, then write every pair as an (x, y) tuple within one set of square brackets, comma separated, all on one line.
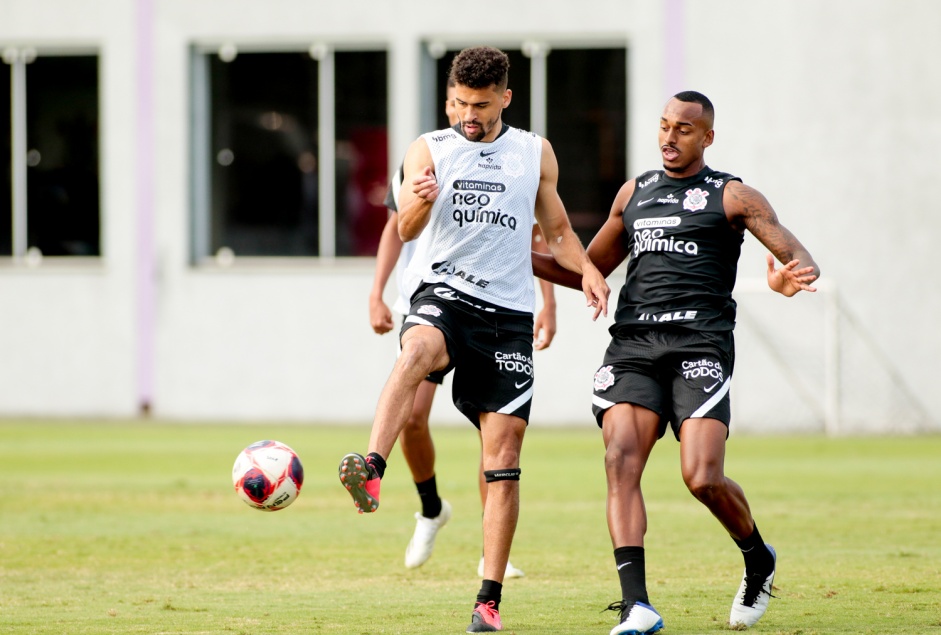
[(268, 475)]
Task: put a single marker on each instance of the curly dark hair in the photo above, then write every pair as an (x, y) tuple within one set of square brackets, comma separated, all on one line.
[(480, 67)]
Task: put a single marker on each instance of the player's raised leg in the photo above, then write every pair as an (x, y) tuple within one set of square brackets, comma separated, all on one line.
[(423, 350)]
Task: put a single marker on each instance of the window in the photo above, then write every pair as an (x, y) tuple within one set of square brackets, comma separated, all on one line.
[(264, 154), (362, 175), (50, 180), (6, 165), (576, 98), (586, 115), (289, 152)]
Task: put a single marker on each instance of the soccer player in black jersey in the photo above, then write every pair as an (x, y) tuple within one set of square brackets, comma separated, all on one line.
[(671, 354)]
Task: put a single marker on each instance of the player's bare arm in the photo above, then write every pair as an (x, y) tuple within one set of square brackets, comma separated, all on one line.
[(566, 249), (544, 326), (390, 246), (747, 208), (607, 250), (419, 190)]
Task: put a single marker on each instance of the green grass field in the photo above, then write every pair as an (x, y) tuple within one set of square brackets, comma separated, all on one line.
[(131, 527)]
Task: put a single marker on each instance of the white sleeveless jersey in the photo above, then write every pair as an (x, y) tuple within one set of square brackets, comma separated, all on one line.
[(479, 236)]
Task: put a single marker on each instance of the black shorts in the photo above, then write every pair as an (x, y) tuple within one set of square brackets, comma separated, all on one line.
[(435, 376), (678, 374), (491, 350)]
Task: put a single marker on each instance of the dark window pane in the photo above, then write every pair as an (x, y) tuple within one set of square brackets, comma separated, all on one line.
[(586, 120), (264, 154), (62, 141), (517, 114), (362, 174), (6, 170)]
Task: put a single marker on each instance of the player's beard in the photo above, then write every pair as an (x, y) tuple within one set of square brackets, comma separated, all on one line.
[(482, 130)]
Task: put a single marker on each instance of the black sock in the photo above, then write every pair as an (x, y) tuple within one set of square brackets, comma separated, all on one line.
[(490, 591), (632, 574), (757, 557), (430, 501), (377, 462)]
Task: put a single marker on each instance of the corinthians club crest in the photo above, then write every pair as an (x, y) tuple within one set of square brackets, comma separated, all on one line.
[(604, 379), (512, 164), (695, 199)]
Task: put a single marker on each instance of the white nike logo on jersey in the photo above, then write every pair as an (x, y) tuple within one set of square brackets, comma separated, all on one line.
[(639, 203), (710, 388), (523, 384)]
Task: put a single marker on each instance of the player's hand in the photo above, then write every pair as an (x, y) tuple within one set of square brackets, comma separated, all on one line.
[(380, 317), (425, 185), (544, 328), (596, 291), (789, 280)]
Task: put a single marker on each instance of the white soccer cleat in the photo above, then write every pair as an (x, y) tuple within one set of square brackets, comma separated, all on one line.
[(642, 619), (423, 540), (511, 571), (753, 595)]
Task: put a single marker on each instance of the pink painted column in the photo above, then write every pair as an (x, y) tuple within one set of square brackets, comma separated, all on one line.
[(145, 207), (674, 44)]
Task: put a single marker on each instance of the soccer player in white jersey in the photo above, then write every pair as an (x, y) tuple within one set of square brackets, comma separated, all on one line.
[(476, 191), (415, 439)]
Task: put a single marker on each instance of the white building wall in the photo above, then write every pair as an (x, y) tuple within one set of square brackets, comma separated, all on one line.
[(826, 108)]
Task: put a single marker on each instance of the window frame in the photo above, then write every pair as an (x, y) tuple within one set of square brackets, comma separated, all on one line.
[(18, 58), (200, 222)]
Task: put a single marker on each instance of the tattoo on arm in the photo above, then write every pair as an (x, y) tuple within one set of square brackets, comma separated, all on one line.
[(759, 218)]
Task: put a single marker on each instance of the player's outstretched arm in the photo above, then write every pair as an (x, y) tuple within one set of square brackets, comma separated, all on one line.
[(562, 241), (547, 269), (748, 209), (419, 190), (607, 250), (390, 246)]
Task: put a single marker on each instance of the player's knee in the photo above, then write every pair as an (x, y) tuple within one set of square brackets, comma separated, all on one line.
[(705, 487), (413, 349), (613, 459), (507, 456), (417, 423), (419, 355), (620, 464)]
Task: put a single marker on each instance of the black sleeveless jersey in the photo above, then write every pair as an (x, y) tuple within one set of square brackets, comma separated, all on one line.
[(683, 254)]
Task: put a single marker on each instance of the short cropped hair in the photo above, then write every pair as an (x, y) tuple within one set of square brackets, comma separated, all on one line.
[(692, 97), (480, 67)]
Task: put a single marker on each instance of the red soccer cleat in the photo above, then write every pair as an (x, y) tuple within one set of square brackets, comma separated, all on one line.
[(362, 481), (485, 619)]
